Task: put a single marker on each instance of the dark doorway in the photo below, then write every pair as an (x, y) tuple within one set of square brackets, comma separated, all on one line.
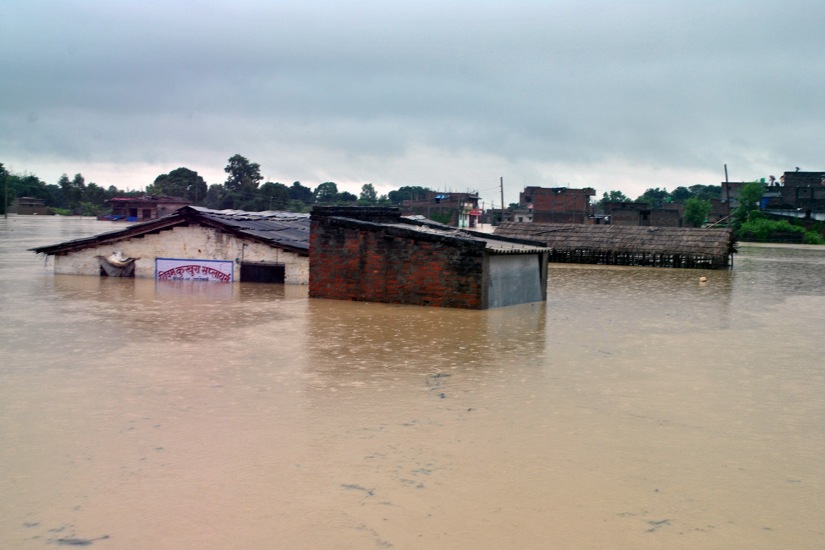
[(263, 273)]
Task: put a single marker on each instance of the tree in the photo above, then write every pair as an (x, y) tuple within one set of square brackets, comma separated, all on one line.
[(180, 182), (613, 196), (4, 180), (326, 193), (407, 193), (696, 211), (368, 194), (274, 196), (216, 196), (655, 197), (72, 190), (345, 196), (706, 192), (749, 197), (301, 193), (244, 176), (681, 194), (94, 194)]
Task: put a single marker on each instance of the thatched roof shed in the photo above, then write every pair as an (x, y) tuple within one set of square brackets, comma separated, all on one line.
[(629, 245)]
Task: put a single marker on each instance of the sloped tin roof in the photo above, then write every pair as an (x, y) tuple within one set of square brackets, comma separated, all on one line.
[(286, 230)]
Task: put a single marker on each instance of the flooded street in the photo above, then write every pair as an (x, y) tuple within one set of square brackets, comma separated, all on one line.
[(637, 408)]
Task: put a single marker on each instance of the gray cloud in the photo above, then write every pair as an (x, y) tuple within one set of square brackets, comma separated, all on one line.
[(457, 93)]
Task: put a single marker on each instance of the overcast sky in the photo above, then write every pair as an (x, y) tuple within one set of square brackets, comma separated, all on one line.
[(449, 95)]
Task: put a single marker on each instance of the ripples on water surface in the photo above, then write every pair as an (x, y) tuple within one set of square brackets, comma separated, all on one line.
[(637, 408)]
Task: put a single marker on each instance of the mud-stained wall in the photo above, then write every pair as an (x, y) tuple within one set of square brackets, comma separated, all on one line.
[(193, 242)]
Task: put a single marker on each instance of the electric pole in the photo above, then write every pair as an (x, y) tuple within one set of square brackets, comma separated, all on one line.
[(501, 180)]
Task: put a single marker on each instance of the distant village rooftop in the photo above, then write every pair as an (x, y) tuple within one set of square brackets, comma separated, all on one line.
[(629, 245)]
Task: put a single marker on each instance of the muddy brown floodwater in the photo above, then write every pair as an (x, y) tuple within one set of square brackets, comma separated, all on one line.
[(637, 408)]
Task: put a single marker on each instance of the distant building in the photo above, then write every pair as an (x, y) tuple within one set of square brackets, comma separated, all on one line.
[(556, 204), (641, 214), (29, 206), (455, 209), (796, 194), (372, 254), (147, 207), (803, 191)]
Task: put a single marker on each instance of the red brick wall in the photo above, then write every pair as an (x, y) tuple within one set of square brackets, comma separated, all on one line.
[(350, 260)]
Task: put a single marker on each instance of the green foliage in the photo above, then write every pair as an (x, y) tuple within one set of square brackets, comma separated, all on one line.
[(368, 194), (681, 194), (749, 197), (244, 176), (180, 182), (704, 192), (814, 237), (89, 209), (216, 196), (345, 197), (275, 195), (761, 229), (301, 193), (696, 211), (655, 197), (407, 193), (326, 193), (614, 196)]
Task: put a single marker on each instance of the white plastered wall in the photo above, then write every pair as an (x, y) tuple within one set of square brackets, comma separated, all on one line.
[(193, 242)]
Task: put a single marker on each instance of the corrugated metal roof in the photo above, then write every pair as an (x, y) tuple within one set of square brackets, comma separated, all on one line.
[(278, 228), (493, 243), (287, 230)]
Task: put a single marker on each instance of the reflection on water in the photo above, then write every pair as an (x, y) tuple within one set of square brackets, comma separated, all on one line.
[(637, 408)]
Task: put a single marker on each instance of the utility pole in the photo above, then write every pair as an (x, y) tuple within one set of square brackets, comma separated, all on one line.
[(5, 177), (501, 179), (727, 192)]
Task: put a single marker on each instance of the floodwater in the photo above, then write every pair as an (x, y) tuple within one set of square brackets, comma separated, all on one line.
[(637, 408)]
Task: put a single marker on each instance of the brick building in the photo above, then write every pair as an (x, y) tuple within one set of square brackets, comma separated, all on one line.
[(800, 190), (641, 214), (557, 204), (373, 254), (794, 192)]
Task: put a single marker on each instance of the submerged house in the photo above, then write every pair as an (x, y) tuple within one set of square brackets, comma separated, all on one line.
[(29, 206), (628, 245), (374, 254), (195, 243)]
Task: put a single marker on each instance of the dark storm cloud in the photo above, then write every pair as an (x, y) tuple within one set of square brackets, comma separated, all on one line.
[(364, 90)]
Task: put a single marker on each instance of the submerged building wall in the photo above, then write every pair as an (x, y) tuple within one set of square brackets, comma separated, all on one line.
[(516, 279), (357, 260), (192, 242)]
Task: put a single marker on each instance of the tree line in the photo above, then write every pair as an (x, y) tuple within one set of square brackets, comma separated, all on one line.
[(242, 190)]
